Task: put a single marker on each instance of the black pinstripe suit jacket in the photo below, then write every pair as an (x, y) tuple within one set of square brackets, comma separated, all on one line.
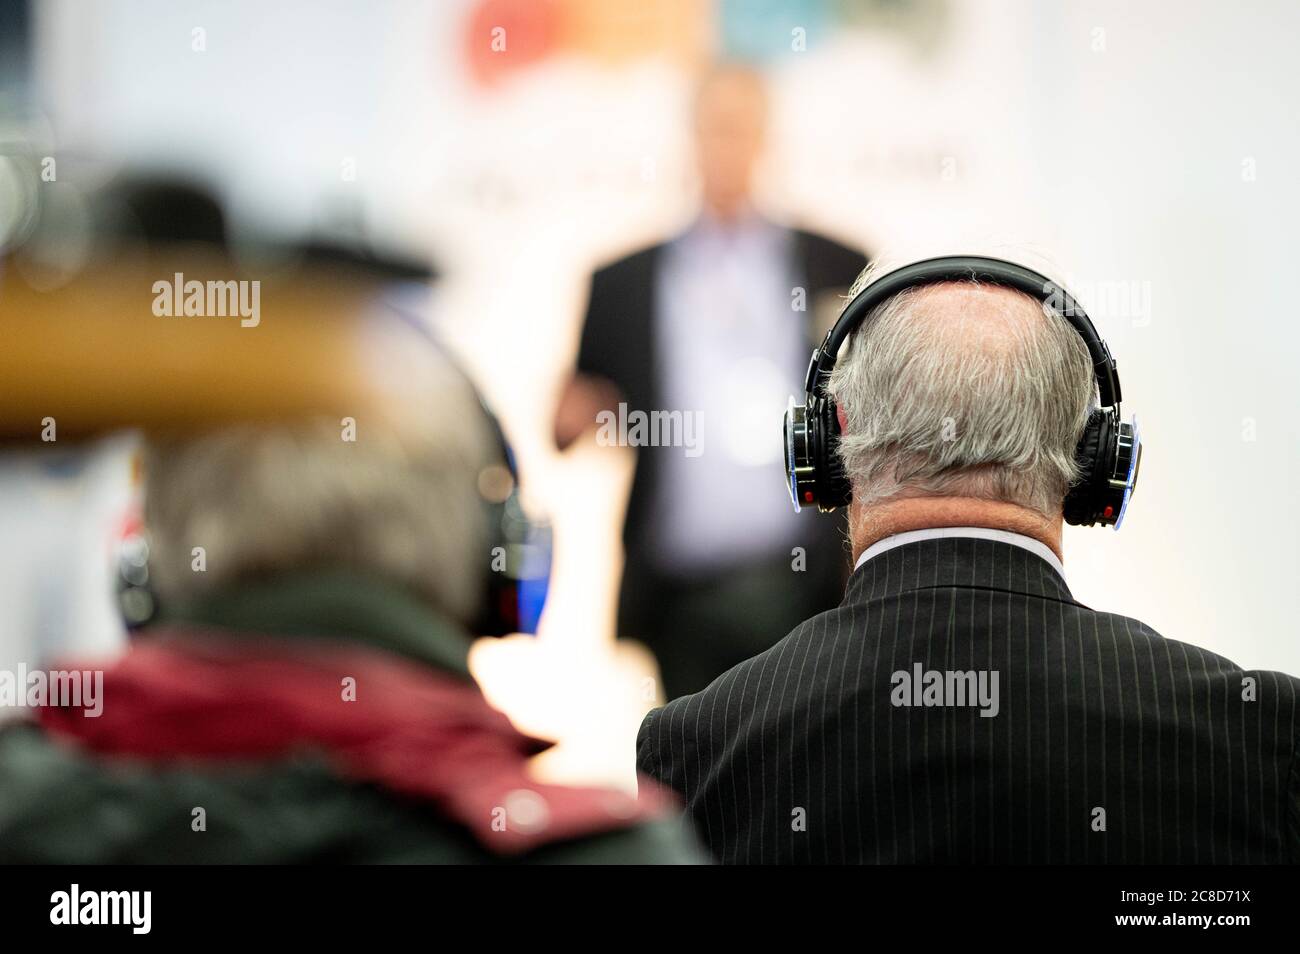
[(1110, 742)]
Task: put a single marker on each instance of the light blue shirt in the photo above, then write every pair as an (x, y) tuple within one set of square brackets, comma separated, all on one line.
[(732, 349)]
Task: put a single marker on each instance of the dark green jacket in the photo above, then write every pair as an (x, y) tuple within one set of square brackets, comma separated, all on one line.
[(58, 805)]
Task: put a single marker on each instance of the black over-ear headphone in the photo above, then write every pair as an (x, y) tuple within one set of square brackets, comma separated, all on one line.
[(1108, 453)]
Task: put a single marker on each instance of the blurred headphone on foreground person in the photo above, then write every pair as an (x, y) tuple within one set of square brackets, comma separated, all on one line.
[(320, 488), (403, 539)]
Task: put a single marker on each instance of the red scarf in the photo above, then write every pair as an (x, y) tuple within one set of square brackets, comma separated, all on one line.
[(411, 730)]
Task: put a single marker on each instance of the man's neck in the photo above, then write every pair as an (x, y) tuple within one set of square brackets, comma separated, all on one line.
[(727, 212), (871, 524)]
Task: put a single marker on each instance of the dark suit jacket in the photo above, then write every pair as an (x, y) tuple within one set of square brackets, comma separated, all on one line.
[(619, 343), (1190, 759)]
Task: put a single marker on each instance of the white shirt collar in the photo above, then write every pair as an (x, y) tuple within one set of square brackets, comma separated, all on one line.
[(980, 533)]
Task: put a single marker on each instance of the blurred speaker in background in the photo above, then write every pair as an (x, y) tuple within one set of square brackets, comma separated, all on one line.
[(705, 335)]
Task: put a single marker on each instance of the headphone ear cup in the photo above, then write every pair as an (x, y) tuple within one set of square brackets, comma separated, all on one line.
[(1093, 453), (835, 490)]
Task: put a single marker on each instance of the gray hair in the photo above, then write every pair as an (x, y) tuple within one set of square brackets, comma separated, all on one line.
[(399, 503), (963, 389)]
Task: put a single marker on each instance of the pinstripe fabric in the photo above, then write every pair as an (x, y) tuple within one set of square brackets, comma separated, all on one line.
[(798, 754)]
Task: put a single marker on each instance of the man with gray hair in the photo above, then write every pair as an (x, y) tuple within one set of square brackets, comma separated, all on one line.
[(960, 706)]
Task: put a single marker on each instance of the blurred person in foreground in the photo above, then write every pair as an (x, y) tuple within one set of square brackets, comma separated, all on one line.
[(1100, 742), (303, 694), (714, 327)]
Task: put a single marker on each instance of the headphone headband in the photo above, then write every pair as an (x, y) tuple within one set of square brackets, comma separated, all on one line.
[(965, 268)]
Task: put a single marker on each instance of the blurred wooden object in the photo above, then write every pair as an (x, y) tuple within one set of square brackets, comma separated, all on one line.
[(93, 355)]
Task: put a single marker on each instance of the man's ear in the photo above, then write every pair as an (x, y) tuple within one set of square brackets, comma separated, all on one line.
[(839, 414)]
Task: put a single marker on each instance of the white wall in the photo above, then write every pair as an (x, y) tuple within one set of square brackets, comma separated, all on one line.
[(1143, 157)]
